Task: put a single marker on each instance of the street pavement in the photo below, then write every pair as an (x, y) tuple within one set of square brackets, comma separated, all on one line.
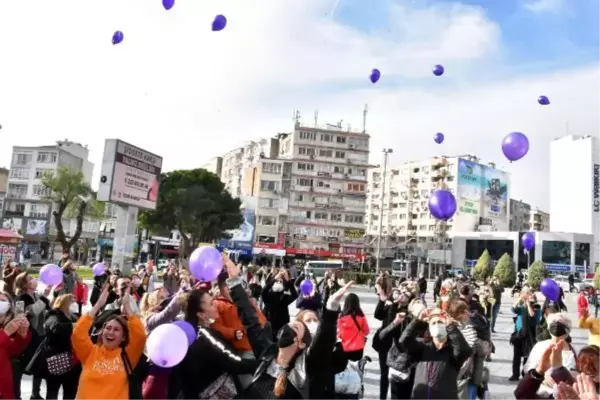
[(500, 367)]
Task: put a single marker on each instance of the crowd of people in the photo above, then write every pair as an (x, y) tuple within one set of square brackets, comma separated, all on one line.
[(248, 345)]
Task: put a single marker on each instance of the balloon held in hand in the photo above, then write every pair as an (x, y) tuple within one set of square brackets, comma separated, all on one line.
[(306, 287), (51, 274), (98, 269), (167, 345), (550, 289), (206, 263)]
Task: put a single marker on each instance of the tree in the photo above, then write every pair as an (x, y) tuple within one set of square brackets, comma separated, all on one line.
[(505, 271), (597, 277), (536, 274), (71, 197), (196, 203), (482, 269)]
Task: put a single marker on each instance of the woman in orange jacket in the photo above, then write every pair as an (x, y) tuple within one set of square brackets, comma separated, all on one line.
[(121, 340)]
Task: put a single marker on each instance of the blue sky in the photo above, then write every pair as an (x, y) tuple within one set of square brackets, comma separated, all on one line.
[(173, 86)]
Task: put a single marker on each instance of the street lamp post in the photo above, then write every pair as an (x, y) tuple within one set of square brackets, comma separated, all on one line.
[(378, 252)]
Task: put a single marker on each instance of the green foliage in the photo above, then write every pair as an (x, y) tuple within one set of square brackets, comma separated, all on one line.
[(505, 271), (73, 198), (536, 274), (482, 269), (196, 203), (597, 277)]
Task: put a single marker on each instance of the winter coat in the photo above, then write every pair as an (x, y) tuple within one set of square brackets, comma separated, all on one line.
[(81, 293), (353, 331), (10, 347), (229, 322)]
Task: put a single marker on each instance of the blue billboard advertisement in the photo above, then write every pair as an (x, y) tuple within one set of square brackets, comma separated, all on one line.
[(241, 239), (482, 197)]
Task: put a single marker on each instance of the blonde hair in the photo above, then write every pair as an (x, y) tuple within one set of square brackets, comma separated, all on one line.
[(149, 302), (63, 302)]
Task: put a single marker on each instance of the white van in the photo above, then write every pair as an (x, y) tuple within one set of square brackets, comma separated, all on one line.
[(318, 268)]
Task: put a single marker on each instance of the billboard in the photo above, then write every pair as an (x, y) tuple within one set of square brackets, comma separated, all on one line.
[(242, 238), (482, 197), (130, 176)]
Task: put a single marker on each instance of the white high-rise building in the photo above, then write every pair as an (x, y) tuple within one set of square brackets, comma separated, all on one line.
[(575, 187), (481, 192), (24, 209), (234, 162)]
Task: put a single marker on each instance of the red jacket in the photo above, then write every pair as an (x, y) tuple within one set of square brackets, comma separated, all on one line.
[(352, 338), (582, 304), (10, 347), (81, 293)]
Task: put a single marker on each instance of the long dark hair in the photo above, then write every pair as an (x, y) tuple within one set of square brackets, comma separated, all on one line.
[(193, 305), (352, 306)]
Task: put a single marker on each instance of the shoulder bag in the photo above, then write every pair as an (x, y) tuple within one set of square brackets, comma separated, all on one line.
[(135, 386)]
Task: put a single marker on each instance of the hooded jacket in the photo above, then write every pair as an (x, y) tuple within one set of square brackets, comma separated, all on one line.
[(229, 322)]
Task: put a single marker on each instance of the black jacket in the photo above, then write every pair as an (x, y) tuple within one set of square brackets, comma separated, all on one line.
[(319, 382), (277, 303), (436, 373), (384, 312), (398, 357), (59, 328)]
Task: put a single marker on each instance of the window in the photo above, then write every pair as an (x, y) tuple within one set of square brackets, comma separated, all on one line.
[(356, 187), (306, 151), (267, 220), (40, 172), (17, 189), (321, 215), (306, 167), (268, 203), (266, 239), (269, 185), (40, 190), (336, 217), (304, 182), (22, 158), (46, 157), (271, 168), (325, 153), (299, 197), (19, 173), (338, 170), (341, 139), (326, 138), (340, 154), (354, 219), (308, 135)]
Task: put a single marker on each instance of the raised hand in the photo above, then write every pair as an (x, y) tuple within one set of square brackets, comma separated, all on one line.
[(337, 296), (232, 270)]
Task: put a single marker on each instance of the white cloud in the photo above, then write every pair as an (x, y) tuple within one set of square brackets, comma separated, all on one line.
[(544, 6), (184, 92)]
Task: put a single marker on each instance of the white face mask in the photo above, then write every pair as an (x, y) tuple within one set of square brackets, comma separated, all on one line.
[(211, 321), (438, 331), (4, 307), (136, 282), (395, 296), (278, 287), (312, 327)]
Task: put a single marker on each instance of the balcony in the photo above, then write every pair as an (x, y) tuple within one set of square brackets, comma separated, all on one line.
[(13, 213), (16, 195)]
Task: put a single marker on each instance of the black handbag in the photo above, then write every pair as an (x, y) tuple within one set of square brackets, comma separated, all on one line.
[(135, 386), (376, 344)]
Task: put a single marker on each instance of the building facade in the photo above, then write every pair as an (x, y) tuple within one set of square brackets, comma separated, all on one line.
[(520, 216), (25, 211), (4, 172), (215, 166), (408, 227), (575, 187), (540, 220)]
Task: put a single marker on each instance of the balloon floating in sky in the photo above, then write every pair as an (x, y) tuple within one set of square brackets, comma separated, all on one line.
[(528, 240), (439, 138), (168, 4), (550, 289), (219, 23), (442, 204), (117, 37), (438, 70), (375, 75), (515, 146), (543, 100)]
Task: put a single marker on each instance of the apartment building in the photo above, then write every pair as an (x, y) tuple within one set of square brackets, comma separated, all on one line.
[(520, 216), (4, 172), (214, 165), (25, 211), (540, 221), (407, 226)]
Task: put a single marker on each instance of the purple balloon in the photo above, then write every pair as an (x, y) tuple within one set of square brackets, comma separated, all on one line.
[(543, 100), (438, 70), (206, 263), (306, 287), (219, 23), (515, 146), (442, 204), (375, 75), (188, 329), (550, 289), (167, 345), (438, 138), (98, 269), (168, 4), (528, 240), (117, 37), (51, 274)]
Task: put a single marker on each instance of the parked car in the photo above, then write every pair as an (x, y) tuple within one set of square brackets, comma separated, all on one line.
[(563, 282)]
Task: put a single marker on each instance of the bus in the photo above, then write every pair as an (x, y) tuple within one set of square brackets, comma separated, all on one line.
[(406, 268), (318, 268)]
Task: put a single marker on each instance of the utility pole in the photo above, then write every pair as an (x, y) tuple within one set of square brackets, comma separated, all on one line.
[(383, 176)]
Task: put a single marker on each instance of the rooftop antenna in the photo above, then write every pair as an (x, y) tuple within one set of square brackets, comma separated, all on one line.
[(316, 118), (297, 118), (365, 111)]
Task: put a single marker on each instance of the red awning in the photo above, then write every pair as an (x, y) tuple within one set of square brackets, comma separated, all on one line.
[(8, 234)]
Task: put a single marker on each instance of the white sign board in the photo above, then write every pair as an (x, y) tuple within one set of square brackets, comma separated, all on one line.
[(130, 176)]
